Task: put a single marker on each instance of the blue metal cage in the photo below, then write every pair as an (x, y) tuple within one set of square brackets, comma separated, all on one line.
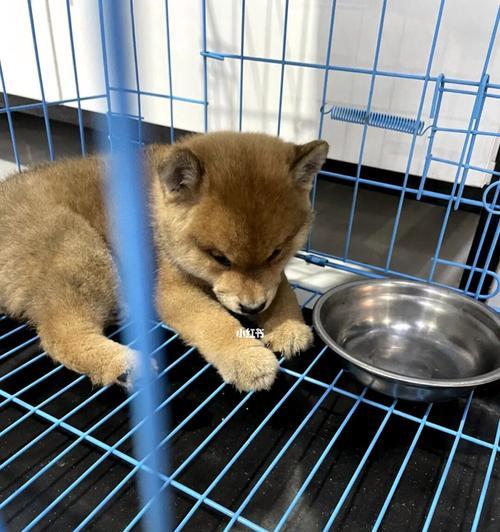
[(386, 462)]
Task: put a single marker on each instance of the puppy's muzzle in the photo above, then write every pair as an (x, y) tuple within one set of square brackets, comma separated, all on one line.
[(245, 309)]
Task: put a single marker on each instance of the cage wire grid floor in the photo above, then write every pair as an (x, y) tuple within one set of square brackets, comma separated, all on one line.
[(316, 452)]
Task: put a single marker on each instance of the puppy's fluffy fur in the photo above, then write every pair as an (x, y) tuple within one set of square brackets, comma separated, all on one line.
[(227, 210)]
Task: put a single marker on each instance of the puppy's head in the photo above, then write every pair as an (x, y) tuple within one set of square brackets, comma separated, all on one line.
[(234, 208)]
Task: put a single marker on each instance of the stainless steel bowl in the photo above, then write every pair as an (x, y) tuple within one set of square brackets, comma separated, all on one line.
[(411, 340)]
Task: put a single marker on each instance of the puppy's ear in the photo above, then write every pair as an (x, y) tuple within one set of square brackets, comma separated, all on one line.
[(181, 173), (309, 158)]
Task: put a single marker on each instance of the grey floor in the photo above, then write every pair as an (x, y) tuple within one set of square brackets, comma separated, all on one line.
[(373, 221), (375, 213), (31, 140)]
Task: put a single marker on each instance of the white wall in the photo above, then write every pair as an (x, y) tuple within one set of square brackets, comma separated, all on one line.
[(405, 46)]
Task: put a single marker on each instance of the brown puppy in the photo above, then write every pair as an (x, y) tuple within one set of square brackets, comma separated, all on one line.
[(228, 210)]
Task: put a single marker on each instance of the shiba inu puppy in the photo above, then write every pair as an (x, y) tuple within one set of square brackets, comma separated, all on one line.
[(228, 210)]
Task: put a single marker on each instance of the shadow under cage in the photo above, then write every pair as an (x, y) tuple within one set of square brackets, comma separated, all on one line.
[(408, 98)]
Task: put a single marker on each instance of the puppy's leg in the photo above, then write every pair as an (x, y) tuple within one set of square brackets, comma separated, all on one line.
[(284, 328), (204, 323), (77, 341), (72, 295)]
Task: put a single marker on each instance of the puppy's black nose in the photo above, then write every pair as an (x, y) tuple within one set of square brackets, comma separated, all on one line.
[(252, 310)]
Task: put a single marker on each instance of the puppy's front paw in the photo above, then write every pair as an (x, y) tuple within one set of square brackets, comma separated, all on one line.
[(128, 378), (289, 338), (254, 368)]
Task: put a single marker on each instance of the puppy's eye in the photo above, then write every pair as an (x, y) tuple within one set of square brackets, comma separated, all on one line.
[(275, 254), (220, 258)]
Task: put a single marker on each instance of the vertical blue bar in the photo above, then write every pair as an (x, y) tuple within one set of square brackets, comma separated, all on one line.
[(447, 467), (327, 71), (136, 72), (205, 64), (9, 120), (105, 63), (281, 452), (318, 463), (75, 76), (478, 109), (126, 203), (170, 83), (40, 83), (473, 124), (365, 130), (444, 225), (480, 247), (395, 227), (486, 266), (486, 482), (358, 470), (480, 103), (314, 190), (242, 62), (282, 76), (434, 113), (399, 475)]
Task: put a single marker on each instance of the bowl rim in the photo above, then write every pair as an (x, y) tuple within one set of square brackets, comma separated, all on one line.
[(468, 382)]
